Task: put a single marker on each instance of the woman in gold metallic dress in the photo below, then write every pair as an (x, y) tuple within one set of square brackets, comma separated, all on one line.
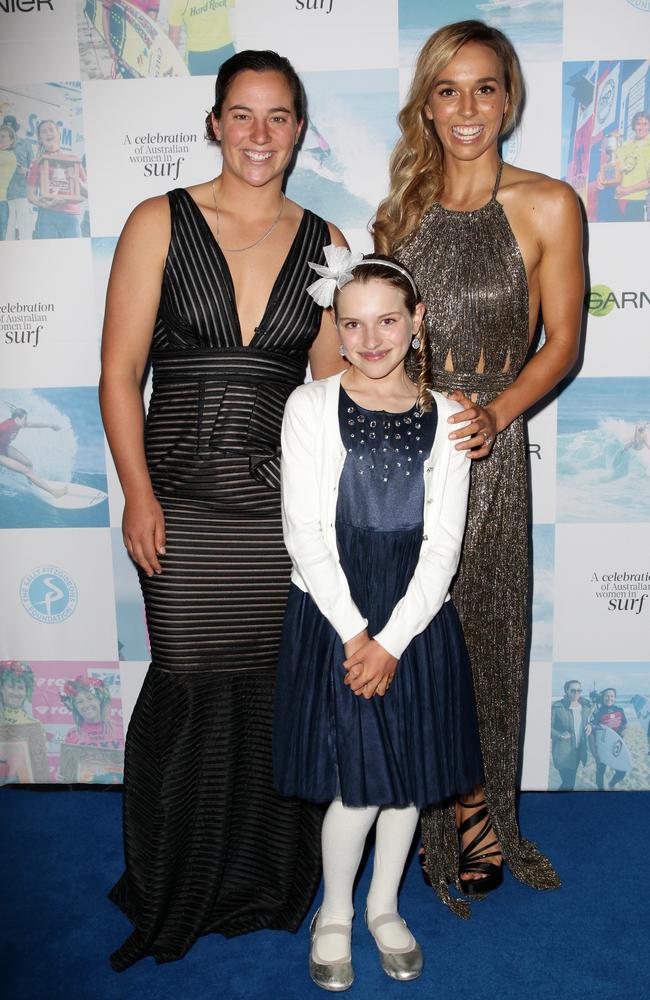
[(489, 245)]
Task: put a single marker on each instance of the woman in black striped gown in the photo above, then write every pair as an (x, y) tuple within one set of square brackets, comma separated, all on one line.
[(210, 281)]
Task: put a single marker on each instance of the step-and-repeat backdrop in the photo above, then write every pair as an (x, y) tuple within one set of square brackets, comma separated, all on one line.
[(101, 105)]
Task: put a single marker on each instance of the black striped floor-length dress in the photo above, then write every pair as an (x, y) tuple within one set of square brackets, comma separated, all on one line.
[(209, 846)]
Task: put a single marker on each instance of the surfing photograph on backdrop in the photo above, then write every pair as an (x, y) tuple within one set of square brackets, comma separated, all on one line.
[(128, 39), (534, 27), (599, 727), (43, 186), (52, 459), (341, 171), (606, 137), (60, 722), (603, 450)]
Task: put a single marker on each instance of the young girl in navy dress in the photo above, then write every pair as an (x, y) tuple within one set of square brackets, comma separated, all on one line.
[(375, 707)]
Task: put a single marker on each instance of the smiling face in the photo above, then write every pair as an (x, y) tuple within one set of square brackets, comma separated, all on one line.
[(609, 697), (375, 326), (49, 137), (575, 691), (88, 706), (14, 692), (467, 102), (258, 128), (642, 126)]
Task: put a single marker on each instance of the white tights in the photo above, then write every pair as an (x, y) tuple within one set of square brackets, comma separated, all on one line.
[(343, 839)]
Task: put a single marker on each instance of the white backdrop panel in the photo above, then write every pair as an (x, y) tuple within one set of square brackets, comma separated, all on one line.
[(42, 46), (322, 34), (143, 138), (602, 591), (79, 594), (48, 330), (606, 29)]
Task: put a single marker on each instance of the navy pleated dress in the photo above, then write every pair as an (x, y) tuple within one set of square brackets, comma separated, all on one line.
[(418, 744)]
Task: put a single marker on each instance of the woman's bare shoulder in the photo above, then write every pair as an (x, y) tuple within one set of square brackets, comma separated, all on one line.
[(534, 187), (146, 234), (546, 206), (149, 216)]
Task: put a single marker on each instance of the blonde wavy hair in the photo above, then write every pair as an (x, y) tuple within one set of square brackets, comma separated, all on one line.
[(416, 165)]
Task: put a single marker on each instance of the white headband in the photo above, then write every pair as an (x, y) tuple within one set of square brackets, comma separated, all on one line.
[(338, 272)]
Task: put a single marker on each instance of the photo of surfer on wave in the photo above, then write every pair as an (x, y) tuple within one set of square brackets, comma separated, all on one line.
[(351, 130), (56, 478), (13, 459), (639, 439), (603, 450)]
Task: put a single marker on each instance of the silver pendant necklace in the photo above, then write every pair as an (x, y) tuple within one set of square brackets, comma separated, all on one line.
[(250, 245)]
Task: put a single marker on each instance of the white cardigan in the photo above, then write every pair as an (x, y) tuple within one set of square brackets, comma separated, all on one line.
[(313, 456)]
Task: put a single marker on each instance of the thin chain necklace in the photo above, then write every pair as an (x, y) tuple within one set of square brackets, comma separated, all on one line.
[(250, 245)]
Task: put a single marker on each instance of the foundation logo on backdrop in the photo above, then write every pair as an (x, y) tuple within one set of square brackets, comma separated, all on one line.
[(48, 594), (620, 591), (640, 4), (24, 323), (600, 300)]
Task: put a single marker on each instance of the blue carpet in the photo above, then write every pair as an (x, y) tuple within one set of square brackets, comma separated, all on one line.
[(61, 851)]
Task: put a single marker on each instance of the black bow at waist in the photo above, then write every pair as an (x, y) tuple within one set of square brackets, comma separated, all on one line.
[(240, 399)]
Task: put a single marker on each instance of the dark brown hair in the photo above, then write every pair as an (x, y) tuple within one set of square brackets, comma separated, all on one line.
[(259, 61)]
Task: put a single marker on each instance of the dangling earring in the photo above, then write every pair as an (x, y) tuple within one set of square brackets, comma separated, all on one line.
[(415, 343), (341, 350)]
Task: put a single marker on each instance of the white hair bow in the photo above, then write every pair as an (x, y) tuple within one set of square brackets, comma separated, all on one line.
[(338, 271)]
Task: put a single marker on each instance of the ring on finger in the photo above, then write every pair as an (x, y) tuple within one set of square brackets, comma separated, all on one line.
[(486, 438)]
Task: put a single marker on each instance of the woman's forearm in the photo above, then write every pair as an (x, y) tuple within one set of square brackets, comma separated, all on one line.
[(537, 378), (120, 400)]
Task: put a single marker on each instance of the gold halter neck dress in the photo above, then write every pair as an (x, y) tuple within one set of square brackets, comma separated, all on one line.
[(471, 275)]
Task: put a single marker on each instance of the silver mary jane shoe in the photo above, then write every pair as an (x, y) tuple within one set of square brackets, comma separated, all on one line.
[(333, 976), (398, 963)]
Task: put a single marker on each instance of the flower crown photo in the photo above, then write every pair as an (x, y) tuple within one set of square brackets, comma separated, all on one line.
[(17, 667), (341, 262), (72, 688)]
